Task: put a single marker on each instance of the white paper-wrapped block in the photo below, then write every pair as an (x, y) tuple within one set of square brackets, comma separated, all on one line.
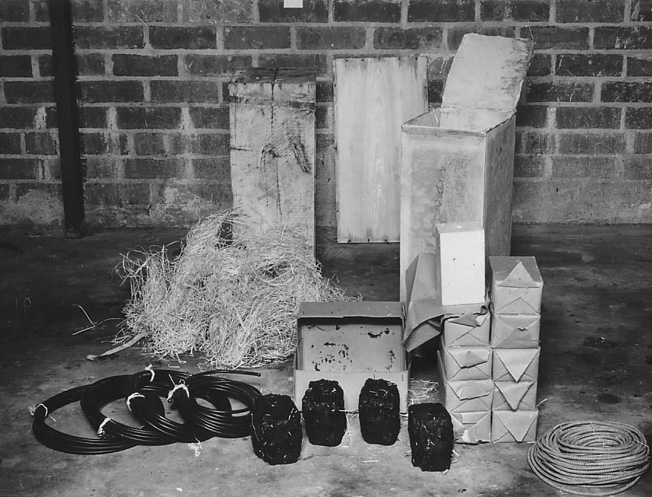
[(472, 427), (468, 395), (515, 331), (516, 364), (464, 395), (460, 255), (467, 363), (514, 426), (470, 330), (516, 285), (515, 395)]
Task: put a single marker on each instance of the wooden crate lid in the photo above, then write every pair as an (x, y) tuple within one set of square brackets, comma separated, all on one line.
[(487, 73)]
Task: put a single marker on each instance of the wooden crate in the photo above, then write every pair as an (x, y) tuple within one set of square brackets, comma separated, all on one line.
[(272, 118), (458, 160)]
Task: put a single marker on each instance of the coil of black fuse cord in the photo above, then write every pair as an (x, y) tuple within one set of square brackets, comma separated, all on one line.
[(146, 383), (64, 442), (167, 377), (103, 392), (224, 423)]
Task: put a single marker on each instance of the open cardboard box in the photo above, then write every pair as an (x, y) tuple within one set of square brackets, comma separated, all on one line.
[(349, 342)]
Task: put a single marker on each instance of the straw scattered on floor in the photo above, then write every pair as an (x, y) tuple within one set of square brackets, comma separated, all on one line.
[(235, 303)]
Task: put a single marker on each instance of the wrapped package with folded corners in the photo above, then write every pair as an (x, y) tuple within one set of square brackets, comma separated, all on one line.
[(464, 395), (468, 330), (516, 364), (515, 395), (515, 331), (516, 285), (467, 363), (514, 426), (472, 427)]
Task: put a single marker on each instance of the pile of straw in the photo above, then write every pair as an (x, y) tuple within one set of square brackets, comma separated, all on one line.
[(235, 302)]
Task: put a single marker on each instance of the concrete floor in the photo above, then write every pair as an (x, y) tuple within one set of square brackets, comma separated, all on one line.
[(596, 364)]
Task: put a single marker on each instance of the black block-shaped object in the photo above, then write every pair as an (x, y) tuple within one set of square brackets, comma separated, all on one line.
[(379, 412), (323, 413), (431, 436), (276, 432)]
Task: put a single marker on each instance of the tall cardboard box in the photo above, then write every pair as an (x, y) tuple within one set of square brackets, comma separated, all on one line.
[(457, 161)]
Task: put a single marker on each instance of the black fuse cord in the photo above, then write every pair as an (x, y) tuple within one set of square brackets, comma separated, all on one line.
[(144, 385), (111, 389), (64, 442), (222, 422), (143, 392)]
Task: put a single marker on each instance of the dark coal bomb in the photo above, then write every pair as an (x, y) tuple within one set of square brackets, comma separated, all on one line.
[(431, 436), (379, 412), (276, 432), (323, 413)]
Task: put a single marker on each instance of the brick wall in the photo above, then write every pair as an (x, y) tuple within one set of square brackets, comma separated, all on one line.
[(153, 78)]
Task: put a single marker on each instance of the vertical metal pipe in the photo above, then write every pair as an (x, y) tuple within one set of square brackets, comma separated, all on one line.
[(65, 92)]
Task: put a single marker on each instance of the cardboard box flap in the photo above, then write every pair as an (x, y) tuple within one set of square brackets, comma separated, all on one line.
[(516, 272), (517, 423), (467, 357), (488, 72), (358, 309), (517, 361), (514, 391)]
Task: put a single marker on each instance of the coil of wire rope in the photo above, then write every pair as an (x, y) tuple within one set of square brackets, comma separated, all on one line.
[(224, 423), (64, 442), (590, 457)]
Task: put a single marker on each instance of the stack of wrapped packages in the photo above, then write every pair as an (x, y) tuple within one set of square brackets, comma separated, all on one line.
[(516, 287), (488, 357), (465, 355)]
